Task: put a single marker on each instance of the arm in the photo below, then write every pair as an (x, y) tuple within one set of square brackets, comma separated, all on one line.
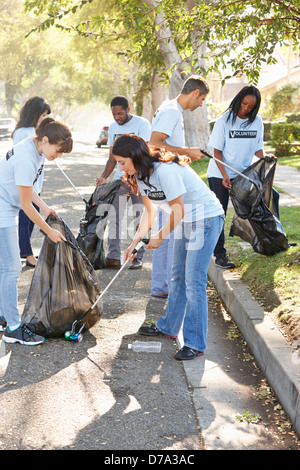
[(27, 196), (157, 139), (145, 224), (226, 180), (109, 167), (177, 213)]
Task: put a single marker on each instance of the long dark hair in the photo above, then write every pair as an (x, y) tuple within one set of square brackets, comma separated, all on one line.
[(57, 133), (31, 112), (143, 157), (235, 104)]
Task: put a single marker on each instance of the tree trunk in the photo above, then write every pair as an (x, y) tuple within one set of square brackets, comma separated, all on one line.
[(196, 126), (158, 93)]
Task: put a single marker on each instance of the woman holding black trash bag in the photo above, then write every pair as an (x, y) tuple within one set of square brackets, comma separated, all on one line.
[(166, 180), (31, 115), (19, 171), (236, 138)]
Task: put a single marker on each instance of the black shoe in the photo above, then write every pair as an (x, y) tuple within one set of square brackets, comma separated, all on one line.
[(153, 331), (223, 262), (113, 263), (186, 354), (30, 265)]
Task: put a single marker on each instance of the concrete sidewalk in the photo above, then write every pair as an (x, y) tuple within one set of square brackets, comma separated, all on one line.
[(279, 362)]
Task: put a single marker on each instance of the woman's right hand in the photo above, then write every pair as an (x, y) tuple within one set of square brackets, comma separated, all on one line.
[(55, 236)]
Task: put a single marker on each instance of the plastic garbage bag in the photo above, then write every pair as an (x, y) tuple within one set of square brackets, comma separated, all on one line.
[(93, 223), (256, 220), (63, 287)]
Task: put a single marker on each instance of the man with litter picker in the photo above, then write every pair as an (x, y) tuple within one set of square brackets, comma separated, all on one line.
[(124, 123), (168, 133)]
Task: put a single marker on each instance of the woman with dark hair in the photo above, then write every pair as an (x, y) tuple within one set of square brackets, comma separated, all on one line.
[(19, 171), (31, 115), (166, 180), (236, 138)]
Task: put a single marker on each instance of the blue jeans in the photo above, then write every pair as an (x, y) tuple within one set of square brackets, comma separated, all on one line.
[(10, 270), (162, 260), (26, 227), (193, 247), (115, 216)]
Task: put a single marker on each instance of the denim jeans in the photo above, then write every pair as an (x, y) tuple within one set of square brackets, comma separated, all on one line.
[(115, 216), (26, 227), (162, 260), (193, 247), (10, 270)]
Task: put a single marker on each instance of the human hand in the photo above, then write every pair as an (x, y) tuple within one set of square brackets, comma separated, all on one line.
[(270, 158), (100, 180), (226, 182), (154, 242), (47, 211), (55, 236), (195, 153)]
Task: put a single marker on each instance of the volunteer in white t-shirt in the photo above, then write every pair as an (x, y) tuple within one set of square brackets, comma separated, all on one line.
[(124, 123), (168, 133), (196, 216), (31, 115), (236, 138), (19, 172)]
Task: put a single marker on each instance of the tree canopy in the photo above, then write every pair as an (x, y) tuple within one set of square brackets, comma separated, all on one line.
[(238, 34)]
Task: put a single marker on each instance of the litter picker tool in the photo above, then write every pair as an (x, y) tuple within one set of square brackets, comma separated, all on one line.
[(66, 176), (72, 335), (230, 168)]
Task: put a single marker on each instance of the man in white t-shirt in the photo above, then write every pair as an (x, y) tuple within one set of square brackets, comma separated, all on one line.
[(168, 133), (124, 123)]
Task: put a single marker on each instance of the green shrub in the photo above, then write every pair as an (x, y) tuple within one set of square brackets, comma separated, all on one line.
[(294, 117), (284, 137)]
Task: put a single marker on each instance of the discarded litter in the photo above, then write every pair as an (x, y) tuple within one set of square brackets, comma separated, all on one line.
[(63, 286), (142, 346)]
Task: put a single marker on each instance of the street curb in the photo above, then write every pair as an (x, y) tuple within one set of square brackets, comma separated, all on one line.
[(277, 359)]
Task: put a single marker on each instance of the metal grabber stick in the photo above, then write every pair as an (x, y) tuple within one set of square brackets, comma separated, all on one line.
[(230, 168), (72, 335), (66, 176)]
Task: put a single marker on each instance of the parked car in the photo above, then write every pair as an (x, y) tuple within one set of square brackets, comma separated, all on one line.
[(103, 136), (7, 125)]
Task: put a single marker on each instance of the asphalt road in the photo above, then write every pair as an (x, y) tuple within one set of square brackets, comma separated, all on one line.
[(99, 395)]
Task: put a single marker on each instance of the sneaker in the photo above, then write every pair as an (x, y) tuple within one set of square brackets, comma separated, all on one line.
[(186, 354), (223, 262), (22, 335), (2, 324), (136, 264), (153, 331), (113, 263)]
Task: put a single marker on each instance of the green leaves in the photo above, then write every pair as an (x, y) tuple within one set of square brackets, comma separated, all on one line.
[(240, 34)]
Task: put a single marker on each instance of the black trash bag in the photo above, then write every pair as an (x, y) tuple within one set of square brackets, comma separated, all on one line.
[(93, 223), (63, 287), (256, 220)]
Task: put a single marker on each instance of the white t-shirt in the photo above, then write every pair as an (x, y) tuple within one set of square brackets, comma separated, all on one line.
[(170, 180), (168, 120), (20, 167), (137, 125), (237, 143), (20, 134)]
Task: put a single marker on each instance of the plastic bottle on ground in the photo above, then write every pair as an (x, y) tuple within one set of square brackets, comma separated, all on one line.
[(143, 346)]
